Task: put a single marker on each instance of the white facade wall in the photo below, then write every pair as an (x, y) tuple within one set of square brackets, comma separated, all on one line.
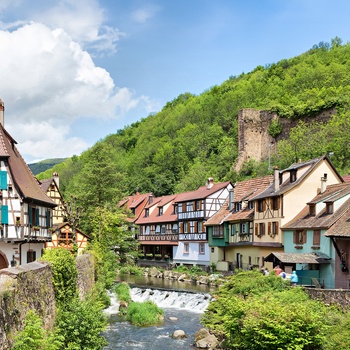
[(192, 257)]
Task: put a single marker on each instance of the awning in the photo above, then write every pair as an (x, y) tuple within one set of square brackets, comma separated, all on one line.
[(299, 258)]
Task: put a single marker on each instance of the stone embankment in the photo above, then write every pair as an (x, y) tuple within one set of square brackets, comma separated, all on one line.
[(213, 280)]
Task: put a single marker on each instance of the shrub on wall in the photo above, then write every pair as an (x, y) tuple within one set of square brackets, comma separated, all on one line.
[(64, 273)]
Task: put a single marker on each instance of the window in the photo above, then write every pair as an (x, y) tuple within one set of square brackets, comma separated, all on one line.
[(273, 228), (293, 176), (175, 209), (157, 229), (174, 228), (243, 228), (217, 231), (312, 209), (261, 205), (299, 237), (317, 237), (200, 227), (163, 229), (275, 203), (147, 230), (147, 213), (31, 255), (201, 248), (198, 205), (160, 211), (233, 230), (189, 206), (186, 248), (238, 206), (251, 205), (329, 208), (260, 229)]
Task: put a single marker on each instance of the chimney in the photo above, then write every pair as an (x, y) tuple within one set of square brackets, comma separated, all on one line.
[(230, 200), (323, 183), (2, 110), (210, 182), (56, 178), (150, 199), (276, 179)]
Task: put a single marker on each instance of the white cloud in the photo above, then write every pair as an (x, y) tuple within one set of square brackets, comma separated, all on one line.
[(142, 15), (47, 78)]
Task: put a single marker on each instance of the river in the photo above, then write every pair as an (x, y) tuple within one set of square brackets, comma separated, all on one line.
[(182, 303)]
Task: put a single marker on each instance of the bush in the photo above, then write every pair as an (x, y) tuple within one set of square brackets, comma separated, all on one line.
[(252, 311), (122, 290), (33, 336), (80, 324), (64, 273), (144, 314)]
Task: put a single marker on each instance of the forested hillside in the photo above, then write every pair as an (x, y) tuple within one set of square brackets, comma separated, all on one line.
[(194, 137)]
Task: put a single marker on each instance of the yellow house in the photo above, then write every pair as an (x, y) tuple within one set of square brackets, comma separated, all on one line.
[(63, 236), (291, 189)]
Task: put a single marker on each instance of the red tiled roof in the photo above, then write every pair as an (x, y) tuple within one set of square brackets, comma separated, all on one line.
[(346, 178), (27, 185), (322, 220), (202, 192), (137, 203), (242, 191), (168, 214)]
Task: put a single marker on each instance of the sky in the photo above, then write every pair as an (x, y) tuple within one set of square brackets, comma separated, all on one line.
[(74, 71)]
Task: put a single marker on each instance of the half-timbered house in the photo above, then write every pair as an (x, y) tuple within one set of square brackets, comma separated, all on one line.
[(291, 189), (193, 210), (26, 211)]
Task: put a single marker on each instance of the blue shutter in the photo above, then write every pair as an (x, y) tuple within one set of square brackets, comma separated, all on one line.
[(4, 214), (3, 180)]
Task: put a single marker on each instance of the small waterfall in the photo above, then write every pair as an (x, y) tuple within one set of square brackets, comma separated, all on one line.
[(196, 302), (113, 309)]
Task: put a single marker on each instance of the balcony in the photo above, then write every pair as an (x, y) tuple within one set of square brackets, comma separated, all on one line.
[(193, 237), (171, 237)]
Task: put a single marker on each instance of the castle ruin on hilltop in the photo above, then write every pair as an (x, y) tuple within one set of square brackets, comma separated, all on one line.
[(254, 140)]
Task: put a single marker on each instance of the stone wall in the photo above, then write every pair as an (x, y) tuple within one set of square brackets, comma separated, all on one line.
[(86, 274), (339, 297), (254, 141), (24, 288), (30, 287)]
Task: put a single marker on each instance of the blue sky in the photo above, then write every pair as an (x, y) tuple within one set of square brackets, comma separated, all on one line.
[(74, 71)]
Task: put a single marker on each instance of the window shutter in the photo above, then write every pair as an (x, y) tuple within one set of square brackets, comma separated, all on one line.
[(181, 227), (276, 228), (263, 228), (188, 227), (278, 202), (4, 214), (37, 217), (196, 227), (30, 214), (48, 218), (269, 228), (295, 237), (184, 207), (3, 180), (257, 229), (264, 205)]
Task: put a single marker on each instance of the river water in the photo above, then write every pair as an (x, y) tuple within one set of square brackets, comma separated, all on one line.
[(183, 305)]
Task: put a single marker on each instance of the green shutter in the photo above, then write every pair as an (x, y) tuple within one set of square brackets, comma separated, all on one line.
[(48, 218), (30, 215), (3, 180), (37, 217), (4, 214)]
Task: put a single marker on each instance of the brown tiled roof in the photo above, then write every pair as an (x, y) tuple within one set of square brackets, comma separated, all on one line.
[(299, 258), (342, 227), (242, 191), (287, 185), (24, 180), (168, 215), (322, 220), (45, 184), (202, 192), (346, 178)]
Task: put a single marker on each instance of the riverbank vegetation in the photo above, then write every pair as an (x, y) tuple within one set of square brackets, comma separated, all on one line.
[(256, 312), (138, 313), (79, 323)]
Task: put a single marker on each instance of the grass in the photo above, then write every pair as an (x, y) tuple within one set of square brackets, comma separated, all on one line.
[(122, 290), (144, 314)]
